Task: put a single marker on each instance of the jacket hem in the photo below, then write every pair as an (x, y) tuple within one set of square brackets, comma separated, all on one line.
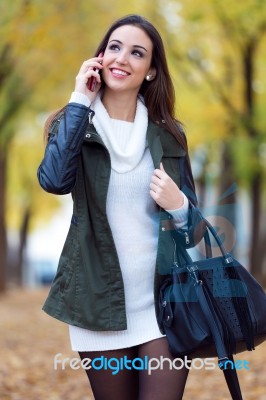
[(111, 327)]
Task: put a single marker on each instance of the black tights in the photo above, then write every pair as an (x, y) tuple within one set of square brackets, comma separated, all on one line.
[(160, 384)]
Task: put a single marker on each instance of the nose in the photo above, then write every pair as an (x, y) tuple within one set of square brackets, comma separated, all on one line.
[(122, 57)]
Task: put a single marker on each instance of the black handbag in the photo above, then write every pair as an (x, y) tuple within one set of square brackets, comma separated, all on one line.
[(212, 307)]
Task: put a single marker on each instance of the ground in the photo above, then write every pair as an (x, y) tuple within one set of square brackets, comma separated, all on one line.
[(30, 339)]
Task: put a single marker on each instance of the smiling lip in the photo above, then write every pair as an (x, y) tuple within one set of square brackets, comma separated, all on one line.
[(119, 73)]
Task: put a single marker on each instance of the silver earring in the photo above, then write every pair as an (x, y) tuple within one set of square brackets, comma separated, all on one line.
[(148, 77)]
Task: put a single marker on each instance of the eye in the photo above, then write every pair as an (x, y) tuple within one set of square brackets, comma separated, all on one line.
[(114, 47), (137, 53)]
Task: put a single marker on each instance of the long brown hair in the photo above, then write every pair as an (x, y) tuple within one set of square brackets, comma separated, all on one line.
[(159, 94)]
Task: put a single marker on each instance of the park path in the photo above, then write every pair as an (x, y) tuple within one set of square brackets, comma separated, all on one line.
[(29, 340)]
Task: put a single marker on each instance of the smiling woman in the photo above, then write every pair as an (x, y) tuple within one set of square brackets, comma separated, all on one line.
[(118, 148), (126, 63)]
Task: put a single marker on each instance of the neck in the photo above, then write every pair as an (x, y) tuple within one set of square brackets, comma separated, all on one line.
[(120, 105)]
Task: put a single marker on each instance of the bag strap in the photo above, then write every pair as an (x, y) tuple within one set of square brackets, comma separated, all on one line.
[(209, 311), (223, 358), (233, 382)]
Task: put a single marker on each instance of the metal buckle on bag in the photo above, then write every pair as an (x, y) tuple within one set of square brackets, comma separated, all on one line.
[(229, 259), (192, 270)]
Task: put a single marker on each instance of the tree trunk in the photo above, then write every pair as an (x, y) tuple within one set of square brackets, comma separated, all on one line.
[(256, 259), (227, 201), (3, 236), (22, 245), (201, 189), (256, 185)]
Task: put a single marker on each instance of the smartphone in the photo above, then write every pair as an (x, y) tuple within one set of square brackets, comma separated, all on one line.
[(92, 81)]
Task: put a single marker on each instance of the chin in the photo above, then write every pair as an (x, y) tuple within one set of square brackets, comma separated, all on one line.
[(122, 87)]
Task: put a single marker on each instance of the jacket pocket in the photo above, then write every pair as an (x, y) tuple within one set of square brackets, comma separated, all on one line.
[(69, 257), (67, 273)]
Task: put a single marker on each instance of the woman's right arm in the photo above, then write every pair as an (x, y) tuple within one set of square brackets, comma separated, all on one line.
[(57, 171)]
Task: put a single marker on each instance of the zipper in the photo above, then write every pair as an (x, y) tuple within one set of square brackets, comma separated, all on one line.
[(91, 115), (186, 238), (55, 123), (54, 127), (175, 263)]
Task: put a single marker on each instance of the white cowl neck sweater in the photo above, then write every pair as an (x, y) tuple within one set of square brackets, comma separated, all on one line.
[(134, 220)]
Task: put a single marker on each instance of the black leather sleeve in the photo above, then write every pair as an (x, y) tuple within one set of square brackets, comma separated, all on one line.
[(196, 229), (57, 171), (187, 184)]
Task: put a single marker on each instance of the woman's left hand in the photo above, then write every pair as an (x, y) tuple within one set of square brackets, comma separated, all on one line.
[(165, 191)]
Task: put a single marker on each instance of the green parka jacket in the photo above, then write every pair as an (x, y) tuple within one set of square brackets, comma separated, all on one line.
[(88, 290)]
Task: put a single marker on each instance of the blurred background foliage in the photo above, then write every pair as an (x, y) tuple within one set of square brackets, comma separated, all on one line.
[(217, 57)]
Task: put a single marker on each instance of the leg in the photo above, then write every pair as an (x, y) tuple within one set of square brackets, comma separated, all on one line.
[(166, 383), (111, 384)]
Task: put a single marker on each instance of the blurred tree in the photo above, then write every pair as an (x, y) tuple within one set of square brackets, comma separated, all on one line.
[(245, 28), (28, 206), (10, 106), (37, 39), (224, 42)]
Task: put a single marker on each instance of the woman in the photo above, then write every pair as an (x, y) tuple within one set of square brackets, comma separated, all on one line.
[(120, 152)]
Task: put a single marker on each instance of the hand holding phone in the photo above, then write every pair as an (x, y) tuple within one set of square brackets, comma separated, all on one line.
[(92, 81)]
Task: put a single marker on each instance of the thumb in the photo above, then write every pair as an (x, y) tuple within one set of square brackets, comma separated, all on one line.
[(161, 167)]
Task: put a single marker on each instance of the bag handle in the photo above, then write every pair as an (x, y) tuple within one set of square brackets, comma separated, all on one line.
[(208, 247), (227, 256), (216, 237)]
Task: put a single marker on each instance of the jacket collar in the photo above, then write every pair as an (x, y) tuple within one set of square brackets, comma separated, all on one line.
[(154, 142), (160, 141)]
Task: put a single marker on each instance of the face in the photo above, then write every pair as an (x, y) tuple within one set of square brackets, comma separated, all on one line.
[(127, 59)]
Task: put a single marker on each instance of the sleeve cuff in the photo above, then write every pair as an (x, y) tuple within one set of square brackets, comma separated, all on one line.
[(180, 215), (79, 98)]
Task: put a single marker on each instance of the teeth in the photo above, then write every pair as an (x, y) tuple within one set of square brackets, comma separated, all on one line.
[(119, 72)]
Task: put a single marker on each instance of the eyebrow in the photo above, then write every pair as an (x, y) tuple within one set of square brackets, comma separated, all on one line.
[(135, 45)]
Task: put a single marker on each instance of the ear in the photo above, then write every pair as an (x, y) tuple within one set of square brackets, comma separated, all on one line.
[(152, 73)]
